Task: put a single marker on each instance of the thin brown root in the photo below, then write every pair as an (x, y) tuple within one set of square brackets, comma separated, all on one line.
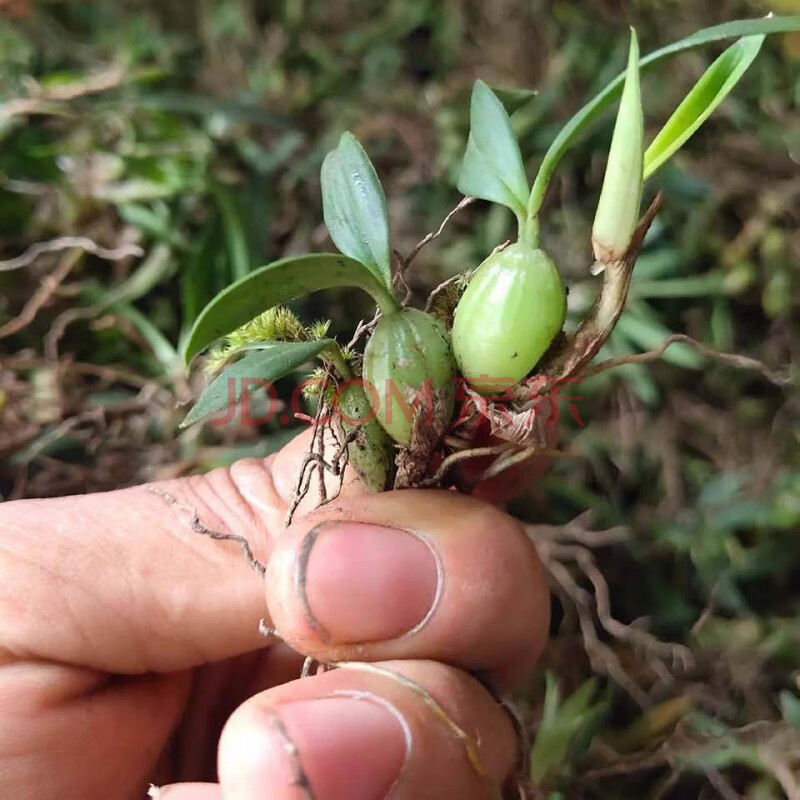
[(663, 658), (198, 527), (312, 459), (515, 459), (315, 463), (507, 461), (71, 243), (404, 263), (677, 655), (731, 359), (42, 295), (576, 532), (363, 328), (602, 658), (42, 100), (469, 743), (456, 458)]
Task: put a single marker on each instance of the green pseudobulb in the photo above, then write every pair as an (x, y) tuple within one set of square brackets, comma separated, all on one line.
[(407, 360), (371, 453), (507, 318)]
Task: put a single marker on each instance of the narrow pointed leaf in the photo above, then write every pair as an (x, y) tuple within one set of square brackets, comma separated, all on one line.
[(268, 364), (492, 167), (586, 116), (278, 283), (715, 85), (513, 98), (618, 209), (354, 207)]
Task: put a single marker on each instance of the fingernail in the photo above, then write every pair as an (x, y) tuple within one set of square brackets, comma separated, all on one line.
[(366, 583), (344, 746)]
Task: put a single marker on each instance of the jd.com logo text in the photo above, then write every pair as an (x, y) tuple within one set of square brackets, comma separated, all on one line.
[(544, 408)]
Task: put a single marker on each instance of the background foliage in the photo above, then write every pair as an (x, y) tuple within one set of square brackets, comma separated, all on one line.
[(195, 130)]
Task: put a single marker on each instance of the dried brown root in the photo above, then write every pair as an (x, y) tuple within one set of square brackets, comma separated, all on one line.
[(315, 463), (80, 243), (455, 458), (594, 609), (198, 527), (731, 359), (363, 328), (42, 295), (404, 262), (44, 100), (776, 744)]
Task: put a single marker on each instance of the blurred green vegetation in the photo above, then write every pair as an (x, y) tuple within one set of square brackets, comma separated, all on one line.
[(195, 131)]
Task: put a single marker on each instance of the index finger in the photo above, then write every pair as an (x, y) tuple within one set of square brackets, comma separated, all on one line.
[(122, 582)]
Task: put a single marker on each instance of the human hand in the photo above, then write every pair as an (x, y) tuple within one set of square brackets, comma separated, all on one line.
[(128, 641)]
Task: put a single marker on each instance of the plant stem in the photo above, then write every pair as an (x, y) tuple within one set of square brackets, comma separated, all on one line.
[(386, 302), (529, 230), (536, 198), (336, 358)]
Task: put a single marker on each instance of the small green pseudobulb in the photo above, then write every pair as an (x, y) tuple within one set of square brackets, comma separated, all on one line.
[(408, 361), (507, 317), (371, 453)]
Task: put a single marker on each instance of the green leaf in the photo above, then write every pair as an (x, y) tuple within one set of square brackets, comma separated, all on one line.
[(278, 283), (562, 725), (354, 207), (161, 347), (715, 85), (268, 364), (618, 208), (157, 267), (233, 227), (594, 109), (492, 168), (513, 98)]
